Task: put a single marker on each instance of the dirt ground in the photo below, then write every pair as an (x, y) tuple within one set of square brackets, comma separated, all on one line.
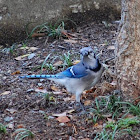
[(22, 102)]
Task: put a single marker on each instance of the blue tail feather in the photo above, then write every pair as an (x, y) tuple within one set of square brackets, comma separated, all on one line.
[(40, 76)]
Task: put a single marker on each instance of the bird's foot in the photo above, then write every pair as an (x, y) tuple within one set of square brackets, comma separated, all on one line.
[(80, 108)]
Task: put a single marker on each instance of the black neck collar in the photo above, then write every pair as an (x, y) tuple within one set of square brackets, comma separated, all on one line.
[(96, 69)]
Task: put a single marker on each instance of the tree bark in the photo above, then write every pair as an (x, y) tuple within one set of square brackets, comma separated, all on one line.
[(128, 50)]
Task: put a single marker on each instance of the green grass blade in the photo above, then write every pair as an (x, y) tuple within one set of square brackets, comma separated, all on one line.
[(44, 63)]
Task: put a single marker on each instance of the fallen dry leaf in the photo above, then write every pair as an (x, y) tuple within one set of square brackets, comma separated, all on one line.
[(111, 47), (5, 93), (38, 34), (16, 72), (87, 102), (129, 116), (41, 90), (10, 125), (110, 120), (70, 41), (85, 139), (108, 87), (113, 83), (54, 88), (70, 111), (63, 119), (58, 63), (24, 48), (21, 57), (107, 115), (72, 98), (11, 111), (59, 114), (91, 90), (33, 48), (57, 92), (102, 44), (20, 126), (96, 124)]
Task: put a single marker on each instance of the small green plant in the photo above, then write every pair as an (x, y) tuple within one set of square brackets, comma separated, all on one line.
[(95, 118), (123, 123), (106, 43), (120, 127), (106, 135), (56, 30), (2, 129), (127, 122), (134, 109), (49, 66), (113, 106), (96, 111), (43, 65), (24, 45), (66, 58), (23, 133), (50, 30), (49, 99)]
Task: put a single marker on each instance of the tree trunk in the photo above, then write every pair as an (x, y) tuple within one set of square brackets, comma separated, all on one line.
[(128, 50)]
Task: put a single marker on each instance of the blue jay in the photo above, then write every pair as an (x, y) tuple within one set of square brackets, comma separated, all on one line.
[(79, 77)]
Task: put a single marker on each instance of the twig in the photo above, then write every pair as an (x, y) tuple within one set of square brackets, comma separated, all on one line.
[(109, 59)]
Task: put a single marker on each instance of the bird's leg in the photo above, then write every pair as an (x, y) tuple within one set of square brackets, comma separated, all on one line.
[(80, 106), (78, 103)]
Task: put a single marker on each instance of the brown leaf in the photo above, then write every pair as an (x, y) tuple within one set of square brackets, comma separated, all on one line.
[(96, 124), (5, 93), (85, 139), (11, 111), (58, 63), (10, 125), (129, 116), (48, 124), (63, 119), (16, 72), (54, 88), (87, 102), (21, 57), (41, 90), (108, 87), (110, 120), (70, 111), (113, 83), (38, 34), (33, 48), (111, 47), (69, 99), (20, 126), (90, 90), (59, 114), (70, 41), (57, 92)]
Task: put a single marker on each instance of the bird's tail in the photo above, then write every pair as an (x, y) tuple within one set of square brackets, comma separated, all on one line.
[(41, 76)]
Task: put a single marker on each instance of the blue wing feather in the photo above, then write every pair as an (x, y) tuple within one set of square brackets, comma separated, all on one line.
[(76, 71)]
